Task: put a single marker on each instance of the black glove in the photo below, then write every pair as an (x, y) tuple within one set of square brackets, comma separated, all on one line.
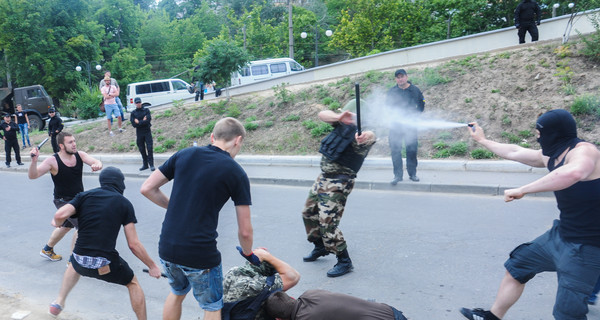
[(252, 258), (538, 23)]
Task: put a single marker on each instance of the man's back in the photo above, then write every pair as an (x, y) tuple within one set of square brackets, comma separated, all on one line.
[(205, 179), (325, 305), (101, 213)]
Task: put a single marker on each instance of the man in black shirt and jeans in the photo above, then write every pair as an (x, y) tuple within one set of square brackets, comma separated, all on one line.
[(9, 135), (140, 120)]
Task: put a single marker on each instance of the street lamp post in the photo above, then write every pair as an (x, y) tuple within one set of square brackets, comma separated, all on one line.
[(554, 7), (328, 33), (88, 68)]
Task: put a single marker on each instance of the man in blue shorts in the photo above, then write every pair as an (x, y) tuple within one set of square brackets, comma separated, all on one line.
[(571, 248), (102, 212), (110, 93), (204, 179)]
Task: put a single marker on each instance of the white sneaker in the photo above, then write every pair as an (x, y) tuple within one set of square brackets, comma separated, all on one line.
[(111, 134)]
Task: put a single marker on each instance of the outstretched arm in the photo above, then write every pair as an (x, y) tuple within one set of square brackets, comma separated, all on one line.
[(507, 151), (62, 214), (245, 231), (331, 117), (90, 161), (35, 171), (139, 251)]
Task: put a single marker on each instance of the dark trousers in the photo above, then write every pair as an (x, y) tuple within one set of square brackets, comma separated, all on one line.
[(55, 147), (199, 93), (408, 137), (144, 143), (14, 144), (533, 32)]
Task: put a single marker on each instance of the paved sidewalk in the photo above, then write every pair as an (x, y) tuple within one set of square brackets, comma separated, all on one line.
[(487, 177)]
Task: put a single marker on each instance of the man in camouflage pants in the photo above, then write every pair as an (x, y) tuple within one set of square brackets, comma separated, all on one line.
[(248, 281), (343, 154)]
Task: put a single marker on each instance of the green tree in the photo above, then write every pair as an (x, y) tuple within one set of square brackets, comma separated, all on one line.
[(43, 40), (219, 60), (127, 66), (121, 21)]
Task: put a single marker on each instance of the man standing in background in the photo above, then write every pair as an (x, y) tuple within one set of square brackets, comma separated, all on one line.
[(527, 17), (407, 101), (55, 126), (140, 120)]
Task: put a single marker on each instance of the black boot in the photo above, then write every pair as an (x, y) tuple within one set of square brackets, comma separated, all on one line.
[(318, 251), (343, 266), (144, 167)]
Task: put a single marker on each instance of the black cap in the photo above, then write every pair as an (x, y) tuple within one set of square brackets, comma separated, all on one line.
[(400, 72), (51, 110), (6, 115), (137, 100)]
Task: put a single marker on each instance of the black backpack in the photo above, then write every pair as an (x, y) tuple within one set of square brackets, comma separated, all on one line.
[(248, 308)]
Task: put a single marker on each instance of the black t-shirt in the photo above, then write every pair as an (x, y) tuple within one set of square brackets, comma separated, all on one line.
[(21, 119), (205, 178), (101, 213)]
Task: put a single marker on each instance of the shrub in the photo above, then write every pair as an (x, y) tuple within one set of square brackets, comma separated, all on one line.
[(292, 117), (586, 105), (169, 143), (334, 105), (83, 102), (457, 149), (442, 154), (327, 101), (284, 95), (309, 124), (321, 129), (233, 111), (481, 154), (525, 134), (440, 145), (250, 126)]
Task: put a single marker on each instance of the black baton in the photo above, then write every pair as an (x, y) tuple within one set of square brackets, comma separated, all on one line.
[(39, 146), (357, 90)]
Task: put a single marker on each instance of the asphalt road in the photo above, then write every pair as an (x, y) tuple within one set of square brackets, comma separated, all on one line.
[(426, 254)]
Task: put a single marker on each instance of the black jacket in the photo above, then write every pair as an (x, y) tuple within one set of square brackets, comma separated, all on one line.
[(527, 13), (54, 124), (12, 133), (139, 114)]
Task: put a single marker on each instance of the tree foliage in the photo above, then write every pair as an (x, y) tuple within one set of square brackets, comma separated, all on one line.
[(218, 60)]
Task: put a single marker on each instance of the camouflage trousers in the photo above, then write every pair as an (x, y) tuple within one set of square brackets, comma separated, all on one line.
[(323, 211)]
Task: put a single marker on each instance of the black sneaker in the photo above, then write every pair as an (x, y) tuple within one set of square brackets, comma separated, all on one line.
[(152, 168), (20, 163), (478, 314), (144, 167)]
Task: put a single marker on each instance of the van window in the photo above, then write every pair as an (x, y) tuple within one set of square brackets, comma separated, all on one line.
[(143, 88), (160, 86), (278, 67), (260, 69), (245, 72), (179, 85), (295, 66)]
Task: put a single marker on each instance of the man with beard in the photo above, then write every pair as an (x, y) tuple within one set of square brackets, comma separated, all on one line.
[(66, 168), (101, 213), (571, 247)]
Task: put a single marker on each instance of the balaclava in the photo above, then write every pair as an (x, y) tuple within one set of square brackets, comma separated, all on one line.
[(558, 131), (112, 178)]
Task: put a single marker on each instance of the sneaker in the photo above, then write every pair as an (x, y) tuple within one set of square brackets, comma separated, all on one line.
[(50, 255), (55, 309), (144, 167), (111, 134), (8, 165), (20, 163), (478, 314), (414, 178), (395, 181), (152, 168), (23, 148), (121, 130)]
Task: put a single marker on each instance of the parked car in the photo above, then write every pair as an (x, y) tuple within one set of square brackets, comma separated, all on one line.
[(157, 92), (265, 69)]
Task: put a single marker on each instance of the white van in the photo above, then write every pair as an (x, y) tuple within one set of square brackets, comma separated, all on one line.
[(265, 69), (157, 92)]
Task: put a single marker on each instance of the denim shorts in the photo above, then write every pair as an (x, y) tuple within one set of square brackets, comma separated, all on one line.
[(110, 109), (577, 266), (207, 284)]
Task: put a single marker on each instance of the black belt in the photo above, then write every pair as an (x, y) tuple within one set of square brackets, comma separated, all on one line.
[(338, 176)]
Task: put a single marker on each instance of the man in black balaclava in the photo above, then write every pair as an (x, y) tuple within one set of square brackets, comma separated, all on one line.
[(101, 213), (528, 16), (571, 247)]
